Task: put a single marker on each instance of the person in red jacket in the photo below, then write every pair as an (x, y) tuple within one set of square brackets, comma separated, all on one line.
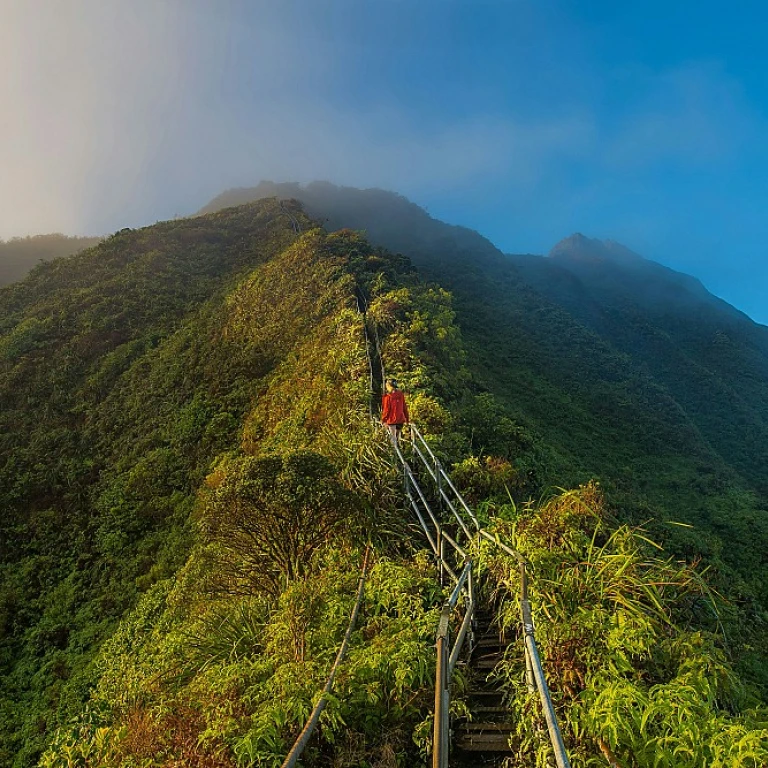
[(394, 411)]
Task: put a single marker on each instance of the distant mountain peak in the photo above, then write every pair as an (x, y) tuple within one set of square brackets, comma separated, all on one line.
[(578, 247), (608, 262)]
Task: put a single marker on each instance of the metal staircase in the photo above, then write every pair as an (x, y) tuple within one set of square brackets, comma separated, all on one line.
[(486, 733), (452, 529)]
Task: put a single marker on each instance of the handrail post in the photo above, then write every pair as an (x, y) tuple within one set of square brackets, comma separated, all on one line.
[(471, 606), (441, 554), (533, 661), (442, 695), (527, 621)]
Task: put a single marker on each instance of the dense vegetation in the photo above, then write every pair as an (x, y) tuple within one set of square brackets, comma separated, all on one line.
[(637, 680), (21, 254), (166, 375), (117, 389), (191, 481), (625, 371)]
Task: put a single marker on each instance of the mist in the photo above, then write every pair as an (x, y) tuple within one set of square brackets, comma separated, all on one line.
[(521, 120), (121, 114)]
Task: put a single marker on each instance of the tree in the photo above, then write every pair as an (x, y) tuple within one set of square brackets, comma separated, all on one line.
[(265, 518)]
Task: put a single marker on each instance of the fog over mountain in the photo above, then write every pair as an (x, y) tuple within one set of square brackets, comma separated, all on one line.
[(20, 255), (522, 121)]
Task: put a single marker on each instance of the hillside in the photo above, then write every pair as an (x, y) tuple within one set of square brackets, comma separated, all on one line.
[(22, 254), (191, 481), (134, 374), (111, 365), (664, 400), (709, 356)]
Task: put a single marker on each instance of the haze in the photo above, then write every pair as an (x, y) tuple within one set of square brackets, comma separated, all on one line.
[(524, 120)]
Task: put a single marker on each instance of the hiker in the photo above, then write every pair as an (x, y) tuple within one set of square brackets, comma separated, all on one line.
[(394, 411)]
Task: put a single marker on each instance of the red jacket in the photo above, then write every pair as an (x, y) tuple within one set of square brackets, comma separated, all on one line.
[(393, 408)]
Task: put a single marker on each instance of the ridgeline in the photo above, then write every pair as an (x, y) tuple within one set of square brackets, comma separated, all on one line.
[(189, 478)]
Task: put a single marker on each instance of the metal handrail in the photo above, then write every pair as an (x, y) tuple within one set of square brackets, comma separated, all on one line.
[(463, 583), (440, 536), (445, 663), (309, 727), (439, 472), (447, 656), (535, 677), (424, 527)]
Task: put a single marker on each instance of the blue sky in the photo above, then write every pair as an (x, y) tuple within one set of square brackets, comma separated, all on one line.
[(527, 121)]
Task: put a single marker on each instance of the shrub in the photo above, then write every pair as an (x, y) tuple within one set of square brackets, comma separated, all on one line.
[(267, 517)]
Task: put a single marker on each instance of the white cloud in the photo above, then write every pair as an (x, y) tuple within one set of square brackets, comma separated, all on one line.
[(383, 147)]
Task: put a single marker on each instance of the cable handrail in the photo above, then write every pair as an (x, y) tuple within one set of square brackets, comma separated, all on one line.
[(446, 660), (309, 727), (440, 472)]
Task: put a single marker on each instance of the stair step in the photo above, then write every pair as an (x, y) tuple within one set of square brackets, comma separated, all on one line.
[(486, 726), (481, 742), (487, 653), (490, 641), (493, 629), (489, 706), (486, 663)]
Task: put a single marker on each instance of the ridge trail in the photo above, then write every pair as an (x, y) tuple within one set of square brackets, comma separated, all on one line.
[(489, 735)]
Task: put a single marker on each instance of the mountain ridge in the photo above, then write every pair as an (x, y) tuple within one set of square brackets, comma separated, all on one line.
[(676, 390), (457, 257), (578, 253), (171, 394)]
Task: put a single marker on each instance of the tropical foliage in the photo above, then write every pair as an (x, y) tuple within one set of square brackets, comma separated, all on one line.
[(618, 368), (636, 677), (190, 479)]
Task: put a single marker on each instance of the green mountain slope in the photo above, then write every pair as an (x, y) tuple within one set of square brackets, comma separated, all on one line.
[(116, 390), (131, 377), (666, 408), (22, 254), (191, 479), (711, 358)]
